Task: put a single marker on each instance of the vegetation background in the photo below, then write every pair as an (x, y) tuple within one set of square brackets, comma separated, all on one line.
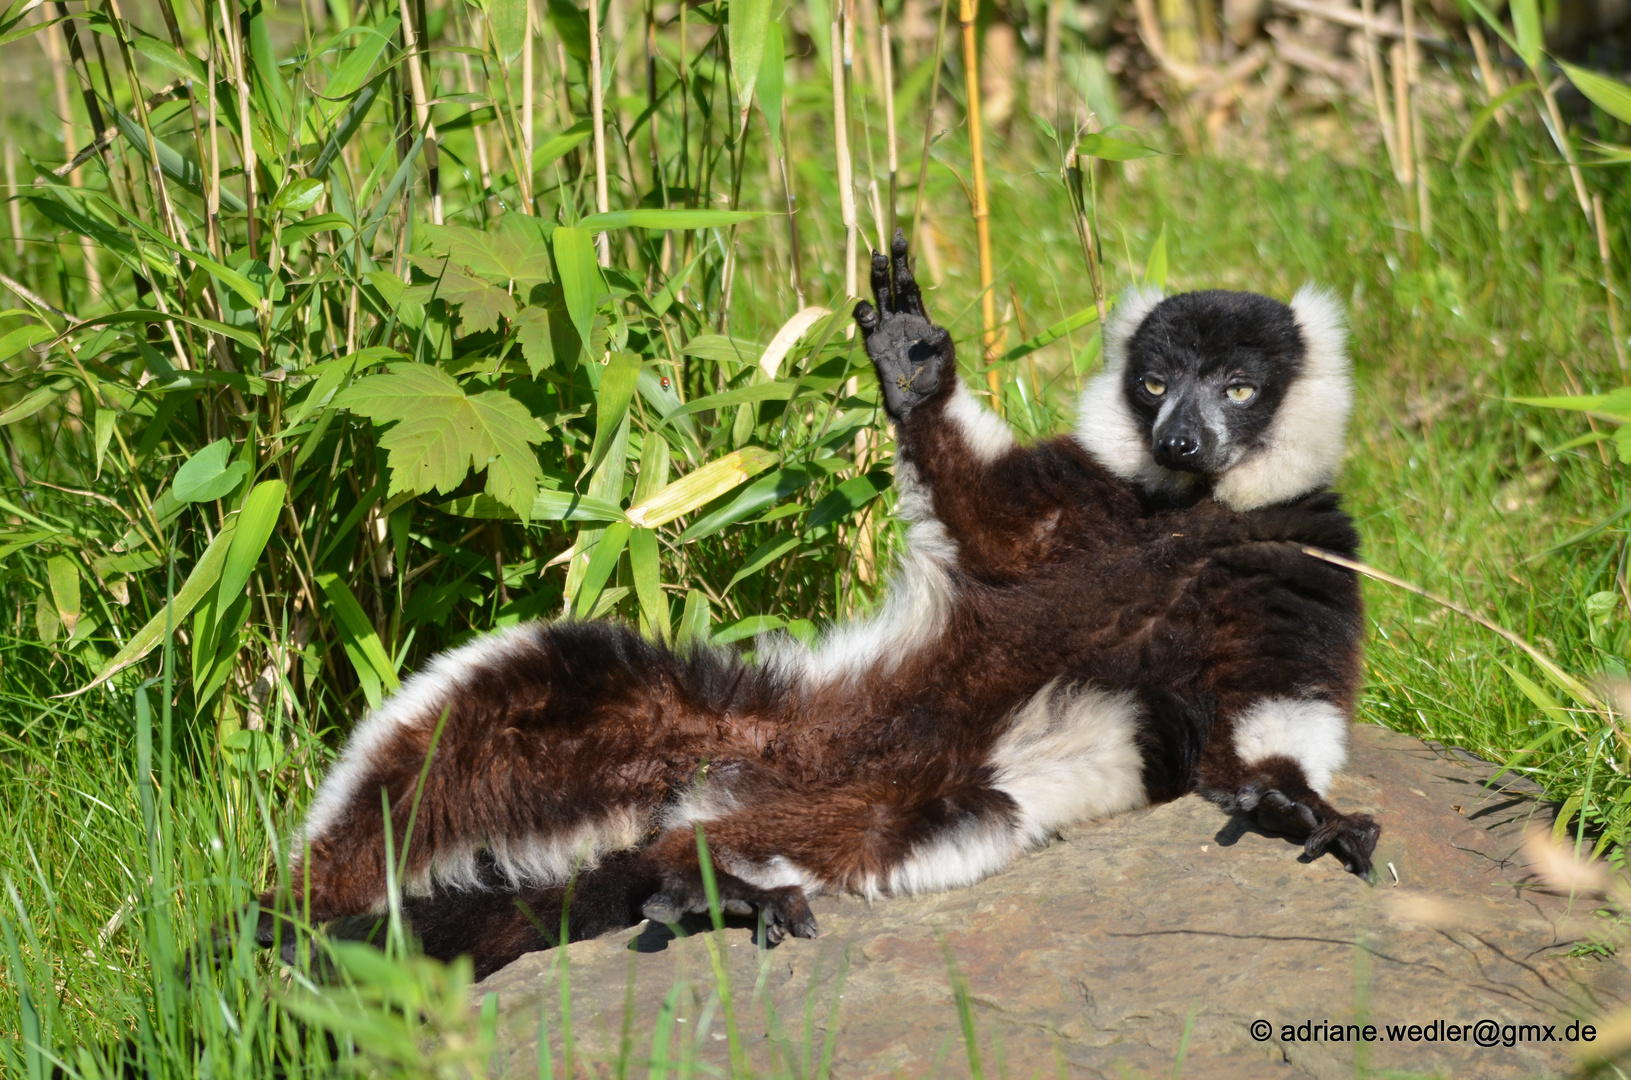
[(344, 332)]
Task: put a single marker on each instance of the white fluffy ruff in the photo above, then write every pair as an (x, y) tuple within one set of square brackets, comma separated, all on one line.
[(1314, 734), (1303, 450), (1305, 442)]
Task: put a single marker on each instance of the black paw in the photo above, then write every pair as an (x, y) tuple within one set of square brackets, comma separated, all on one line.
[(1277, 813), (913, 356), (1350, 837), (781, 911)]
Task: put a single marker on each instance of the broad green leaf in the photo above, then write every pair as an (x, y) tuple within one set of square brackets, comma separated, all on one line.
[(771, 391), (297, 196), (204, 575), (208, 475), (164, 54), (441, 434), (1527, 30), (763, 492), (171, 163), (601, 565), (265, 79), (355, 114), (702, 486), (548, 506), (1615, 403), (1155, 268), (694, 620), (1622, 443), (481, 305), (63, 574), (147, 315), (537, 338), (558, 146), (361, 643), (765, 554), (296, 231), (848, 497), (512, 252), (1052, 333), (581, 282), (507, 19), (752, 626), (333, 374), (353, 72), (745, 32), (35, 400), (617, 382), (772, 81), (256, 521), (664, 220), (645, 566), (1610, 95), (1111, 149)]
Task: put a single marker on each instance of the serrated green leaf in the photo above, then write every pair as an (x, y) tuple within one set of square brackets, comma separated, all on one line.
[(532, 330), (512, 252), (441, 434), (481, 305), (702, 486)]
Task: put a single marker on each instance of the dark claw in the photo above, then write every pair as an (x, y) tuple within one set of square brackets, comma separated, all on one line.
[(880, 282), (908, 298), (866, 316), (1350, 837)]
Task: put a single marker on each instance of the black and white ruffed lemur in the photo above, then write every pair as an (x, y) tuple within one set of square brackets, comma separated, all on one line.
[(1077, 628)]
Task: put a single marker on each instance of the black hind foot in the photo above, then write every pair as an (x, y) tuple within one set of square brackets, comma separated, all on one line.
[(912, 355), (1350, 837), (781, 911)]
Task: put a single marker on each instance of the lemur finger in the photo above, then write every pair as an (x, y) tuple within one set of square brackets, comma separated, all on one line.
[(866, 316), (908, 297), (880, 282)]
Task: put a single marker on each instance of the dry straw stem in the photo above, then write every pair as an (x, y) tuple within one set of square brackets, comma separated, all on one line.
[(421, 107), (982, 210), (886, 48), (1378, 84), (597, 112), (846, 170)]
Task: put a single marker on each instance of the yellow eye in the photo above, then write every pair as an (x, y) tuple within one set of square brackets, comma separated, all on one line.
[(1241, 393), (1154, 386)]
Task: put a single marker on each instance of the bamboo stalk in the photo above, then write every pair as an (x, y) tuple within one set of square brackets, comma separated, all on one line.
[(1494, 85), (846, 174), (59, 85), (1560, 136), (982, 211), (483, 162), (597, 107), (1378, 84), (229, 27), (1600, 220), (12, 204), (421, 110), (795, 259), (524, 166), (928, 120), (1406, 174), (886, 47)]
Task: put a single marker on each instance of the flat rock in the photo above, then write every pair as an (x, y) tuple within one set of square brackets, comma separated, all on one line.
[(1129, 943)]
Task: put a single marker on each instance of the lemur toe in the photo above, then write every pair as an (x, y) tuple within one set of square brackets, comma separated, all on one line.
[(1278, 813), (866, 316), (1350, 837), (664, 908)]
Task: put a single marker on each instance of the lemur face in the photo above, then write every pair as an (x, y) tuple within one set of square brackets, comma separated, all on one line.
[(1205, 376)]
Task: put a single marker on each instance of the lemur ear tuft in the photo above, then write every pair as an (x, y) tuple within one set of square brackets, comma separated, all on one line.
[(1104, 423), (1304, 446), (1133, 306)]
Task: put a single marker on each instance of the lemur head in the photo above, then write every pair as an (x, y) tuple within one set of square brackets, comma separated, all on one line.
[(1230, 389)]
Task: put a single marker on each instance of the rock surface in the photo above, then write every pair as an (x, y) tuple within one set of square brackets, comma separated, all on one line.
[(1091, 956)]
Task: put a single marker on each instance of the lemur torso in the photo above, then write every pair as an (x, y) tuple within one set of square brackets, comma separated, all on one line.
[(1057, 644)]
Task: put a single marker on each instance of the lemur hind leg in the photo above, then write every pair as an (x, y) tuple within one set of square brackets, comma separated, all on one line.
[(1273, 762)]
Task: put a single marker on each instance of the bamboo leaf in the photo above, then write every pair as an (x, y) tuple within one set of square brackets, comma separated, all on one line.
[(617, 383), (702, 486), (646, 568), (573, 26), (179, 169), (63, 574), (601, 564), (1155, 268), (761, 493), (354, 70), (24, 337), (694, 620), (765, 554), (1480, 122), (558, 146), (297, 196), (349, 123), (256, 521), (772, 391), (1610, 95), (848, 497), (361, 643), (1527, 30), (35, 400), (746, 32), (665, 219), (773, 81), (548, 506), (1615, 403), (208, 475), (507, 20), (581, 282), (1495, 24), (1111, 149), (1052, 333), (204, 575)]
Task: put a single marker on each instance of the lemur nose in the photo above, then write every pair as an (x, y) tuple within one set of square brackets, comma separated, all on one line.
[(1178, 447)]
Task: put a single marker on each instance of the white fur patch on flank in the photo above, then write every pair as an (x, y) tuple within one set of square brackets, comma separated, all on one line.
[(1314, 734), (552, 858), (914, 611), (1305, 441), (779, 873), (960, 856), (1105, 426), (419, 703), (1069, 755), (987, 436)]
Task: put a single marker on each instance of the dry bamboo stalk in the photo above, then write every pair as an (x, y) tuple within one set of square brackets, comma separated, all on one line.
[(213, 196), (888, 89), (247, 142), (1600, 220), (524, 166), (795, 260), (1494, 85), (1401, 104), (12, 204), (982, 211), (1560, 135), (59, 80), (846, 172), (483, 163), (1378, 84), (597, 113), (928, 122), (421, 107)]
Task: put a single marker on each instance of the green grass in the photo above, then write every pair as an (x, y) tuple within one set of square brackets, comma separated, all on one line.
[(109, 878)]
